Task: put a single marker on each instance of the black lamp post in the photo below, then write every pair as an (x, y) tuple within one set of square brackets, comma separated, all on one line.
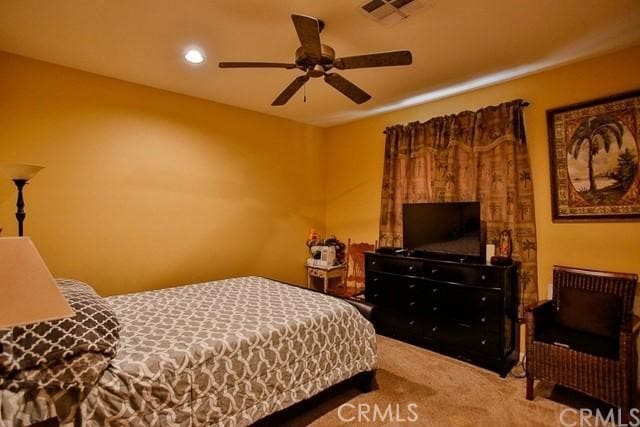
[(20, 215), (21, 174)]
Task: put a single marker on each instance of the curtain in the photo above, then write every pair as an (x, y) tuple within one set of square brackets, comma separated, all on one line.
[(470, 156)]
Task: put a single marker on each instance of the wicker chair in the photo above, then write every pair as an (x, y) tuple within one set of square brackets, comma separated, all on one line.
[(609, 377)]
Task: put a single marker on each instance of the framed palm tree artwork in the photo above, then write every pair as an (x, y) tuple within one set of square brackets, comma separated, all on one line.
[(594, 148)]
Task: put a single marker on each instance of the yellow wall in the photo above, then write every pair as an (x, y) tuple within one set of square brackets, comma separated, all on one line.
[(356, 152), (145, 189)]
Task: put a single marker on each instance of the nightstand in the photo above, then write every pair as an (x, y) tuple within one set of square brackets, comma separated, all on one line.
[(326, 274)]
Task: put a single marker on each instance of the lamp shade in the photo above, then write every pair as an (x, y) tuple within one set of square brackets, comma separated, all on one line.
[(28, 292), (21, 171)]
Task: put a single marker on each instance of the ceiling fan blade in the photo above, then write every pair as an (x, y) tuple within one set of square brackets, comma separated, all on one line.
[(308, 29), (290, 90), (383, 59), (347, 88), (256, 65)]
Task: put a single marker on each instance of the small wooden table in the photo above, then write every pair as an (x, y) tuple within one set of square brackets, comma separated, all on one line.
[(325, 273)]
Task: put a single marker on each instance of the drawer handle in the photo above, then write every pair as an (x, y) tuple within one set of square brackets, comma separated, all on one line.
[(412, 323), (435, 308), (434, 271), (411, 267), (483, 342), (412, 304), (373, 263), (483, 299), (375, 279), (434, 290), (435, 328), (376, 296), (483, 277), (412, 285), (484, 319)]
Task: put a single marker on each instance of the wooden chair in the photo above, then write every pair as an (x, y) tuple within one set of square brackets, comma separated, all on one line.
[(354, 275), (598, 359)]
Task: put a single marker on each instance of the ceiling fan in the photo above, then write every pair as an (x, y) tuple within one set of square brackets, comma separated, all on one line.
[(317, 59)]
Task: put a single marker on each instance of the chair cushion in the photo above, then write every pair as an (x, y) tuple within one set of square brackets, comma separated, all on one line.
[(594, 312), (583, 342)]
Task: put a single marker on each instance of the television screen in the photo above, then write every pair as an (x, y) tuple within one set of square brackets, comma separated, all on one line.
[(446, 228)]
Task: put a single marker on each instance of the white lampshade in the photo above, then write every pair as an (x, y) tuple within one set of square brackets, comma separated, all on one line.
[(28, 292), (21, 171)]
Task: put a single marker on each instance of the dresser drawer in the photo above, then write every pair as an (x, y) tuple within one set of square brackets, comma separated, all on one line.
[(413, 294), (480, 309), (487, 343), (399, 324), (386, 290), (375, 290), (462, 336), (404, 266), (390, 290), (489, 277)]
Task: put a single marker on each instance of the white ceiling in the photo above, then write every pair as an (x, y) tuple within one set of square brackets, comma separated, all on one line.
[(456, 45)]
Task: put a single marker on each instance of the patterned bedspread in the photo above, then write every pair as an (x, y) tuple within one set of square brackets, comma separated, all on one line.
[(226, 353)]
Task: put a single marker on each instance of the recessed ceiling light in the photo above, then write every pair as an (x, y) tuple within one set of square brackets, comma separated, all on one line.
[(194, 56)]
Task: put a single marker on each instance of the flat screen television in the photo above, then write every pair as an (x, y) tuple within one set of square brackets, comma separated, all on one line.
[(443, 228)]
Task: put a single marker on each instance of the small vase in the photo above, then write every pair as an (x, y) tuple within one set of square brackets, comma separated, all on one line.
[(505, 244)]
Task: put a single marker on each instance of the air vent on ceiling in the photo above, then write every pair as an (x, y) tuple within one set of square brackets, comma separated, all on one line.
[(388, 12)]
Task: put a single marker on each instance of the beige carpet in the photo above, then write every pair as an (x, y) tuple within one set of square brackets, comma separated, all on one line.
[(445, 391)]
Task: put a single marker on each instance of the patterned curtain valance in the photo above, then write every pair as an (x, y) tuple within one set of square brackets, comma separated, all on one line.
[(469, 156), (478, 130)]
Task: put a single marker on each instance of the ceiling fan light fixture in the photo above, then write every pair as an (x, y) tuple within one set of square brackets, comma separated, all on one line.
[(194, 56)]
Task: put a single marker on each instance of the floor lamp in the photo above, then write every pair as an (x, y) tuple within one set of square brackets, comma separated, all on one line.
[(20, 174)]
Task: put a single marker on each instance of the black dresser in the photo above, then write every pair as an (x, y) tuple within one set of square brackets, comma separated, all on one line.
[(465, 310)]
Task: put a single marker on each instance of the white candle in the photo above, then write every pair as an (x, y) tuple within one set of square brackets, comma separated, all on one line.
[(491, 251)]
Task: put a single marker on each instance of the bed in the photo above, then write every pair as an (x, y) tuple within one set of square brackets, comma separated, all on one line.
[(223, 353)]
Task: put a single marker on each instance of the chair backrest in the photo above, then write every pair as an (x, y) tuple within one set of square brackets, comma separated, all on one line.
[(355, 261), (622, 285)]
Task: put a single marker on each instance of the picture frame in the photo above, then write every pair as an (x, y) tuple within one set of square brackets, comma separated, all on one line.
[(594, 152)]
